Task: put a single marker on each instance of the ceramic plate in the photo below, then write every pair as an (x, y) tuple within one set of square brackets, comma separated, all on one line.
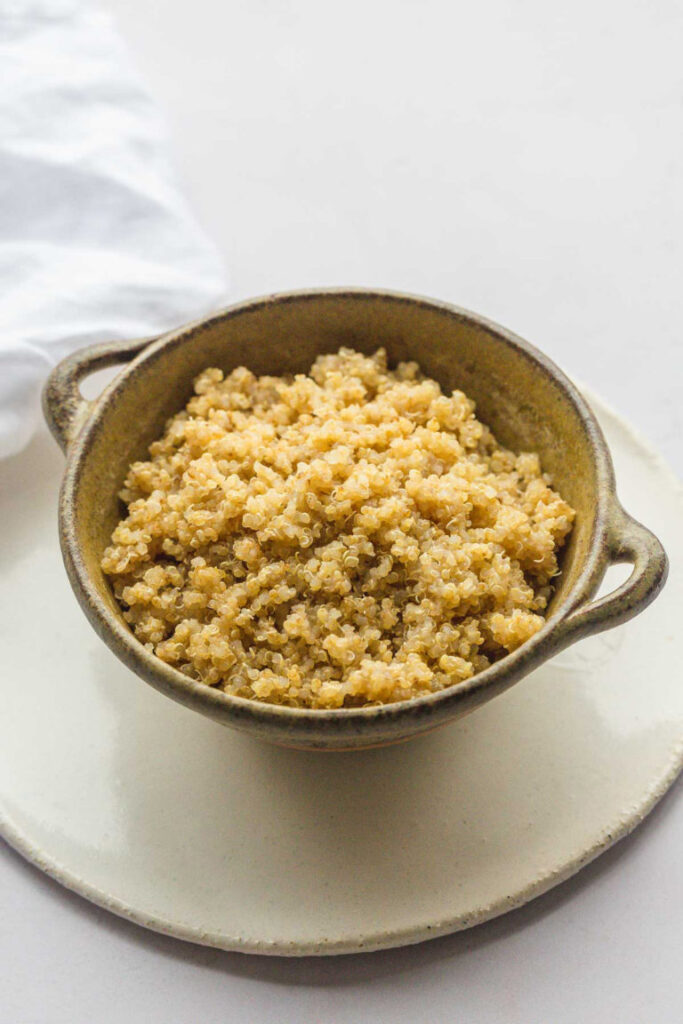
[(188, 828)]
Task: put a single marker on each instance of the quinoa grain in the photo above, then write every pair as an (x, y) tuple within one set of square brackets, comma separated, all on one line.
[(346, 538)]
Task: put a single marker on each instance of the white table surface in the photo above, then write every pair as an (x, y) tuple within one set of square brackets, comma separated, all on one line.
[(516, 158)]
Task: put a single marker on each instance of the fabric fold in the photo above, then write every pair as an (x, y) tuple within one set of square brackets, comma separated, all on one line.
[(96, 239)]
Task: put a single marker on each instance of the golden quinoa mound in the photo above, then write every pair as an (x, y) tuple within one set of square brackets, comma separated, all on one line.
[(346, 538)]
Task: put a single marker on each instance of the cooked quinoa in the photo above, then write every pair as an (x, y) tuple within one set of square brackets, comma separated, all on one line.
[(350, 537)]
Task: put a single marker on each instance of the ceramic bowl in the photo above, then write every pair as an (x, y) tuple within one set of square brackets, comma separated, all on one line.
[(519, 392)]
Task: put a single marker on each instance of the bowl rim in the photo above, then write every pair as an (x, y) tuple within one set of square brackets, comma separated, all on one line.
[(239, 710)]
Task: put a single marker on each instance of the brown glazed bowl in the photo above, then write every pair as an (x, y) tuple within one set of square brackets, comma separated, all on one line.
[(520, 394)]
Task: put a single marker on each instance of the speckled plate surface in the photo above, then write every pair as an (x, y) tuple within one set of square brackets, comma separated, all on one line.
[(191, 829)]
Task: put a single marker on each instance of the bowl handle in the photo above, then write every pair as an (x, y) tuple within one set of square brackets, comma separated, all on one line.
[(64, 407), (629, 541)]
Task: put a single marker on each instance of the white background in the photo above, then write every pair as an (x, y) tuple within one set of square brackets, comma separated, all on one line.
[(518, 158)]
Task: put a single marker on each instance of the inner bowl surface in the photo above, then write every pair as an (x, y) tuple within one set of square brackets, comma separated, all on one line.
[(525, 400)]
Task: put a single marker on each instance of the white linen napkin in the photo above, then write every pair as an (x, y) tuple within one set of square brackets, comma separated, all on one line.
[(96, 241)]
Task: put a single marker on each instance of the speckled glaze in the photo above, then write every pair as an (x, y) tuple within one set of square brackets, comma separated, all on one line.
[(520, 394)]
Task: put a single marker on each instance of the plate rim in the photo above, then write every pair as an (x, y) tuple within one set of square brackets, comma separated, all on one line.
[(348, 945)]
